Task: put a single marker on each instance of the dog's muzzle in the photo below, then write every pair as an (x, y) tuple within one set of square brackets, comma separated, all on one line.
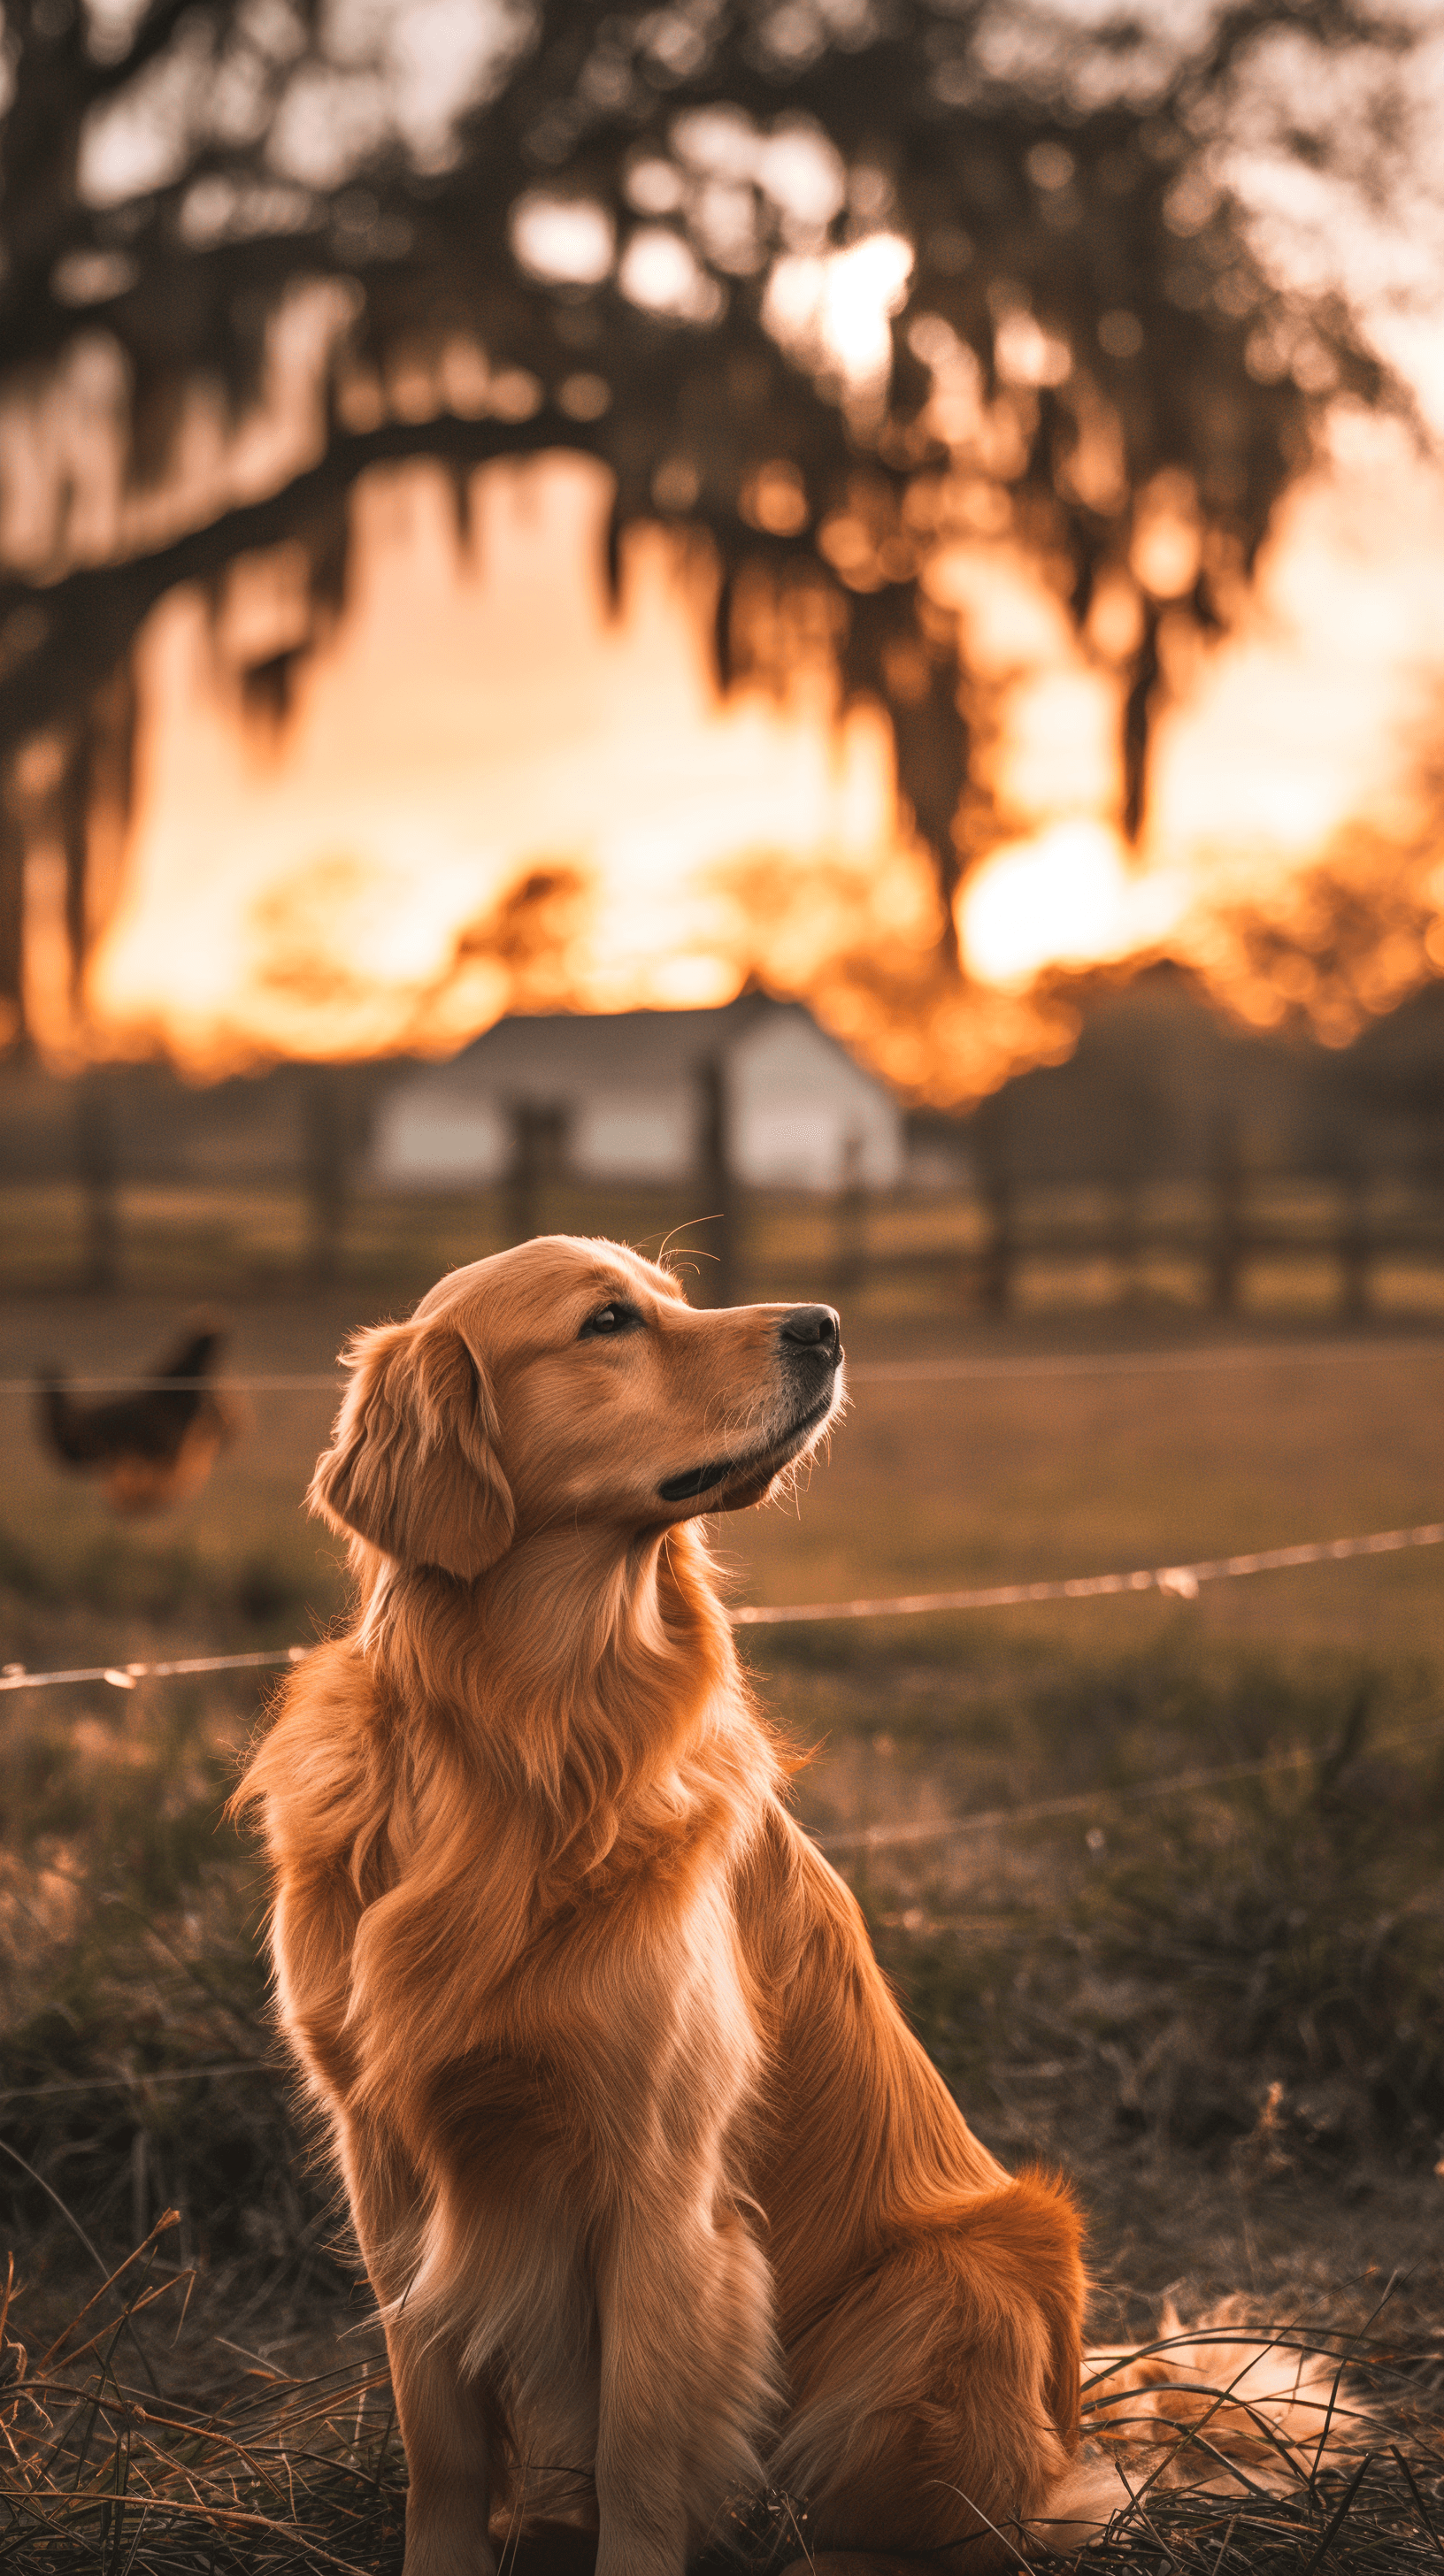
[(810, 1339)]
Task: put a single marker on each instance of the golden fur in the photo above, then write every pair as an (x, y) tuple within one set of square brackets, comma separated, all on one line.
[(659, 2195)]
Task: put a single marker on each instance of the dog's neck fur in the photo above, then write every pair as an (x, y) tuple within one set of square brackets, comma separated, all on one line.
[(573, 1726), (589, 1679)]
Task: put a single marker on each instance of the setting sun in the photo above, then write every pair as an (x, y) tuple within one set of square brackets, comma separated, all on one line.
[(1066, 898), (480, 713)]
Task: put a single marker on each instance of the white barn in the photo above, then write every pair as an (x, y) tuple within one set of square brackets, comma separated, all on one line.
[(630, 1095)]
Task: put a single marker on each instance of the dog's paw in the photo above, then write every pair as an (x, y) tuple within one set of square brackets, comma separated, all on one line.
[(1080, 2508)]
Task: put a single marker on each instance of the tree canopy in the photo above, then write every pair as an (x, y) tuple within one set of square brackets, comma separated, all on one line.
[(828, 285)]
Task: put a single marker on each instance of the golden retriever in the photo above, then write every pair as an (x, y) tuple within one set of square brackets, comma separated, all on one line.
[(657, 2191)]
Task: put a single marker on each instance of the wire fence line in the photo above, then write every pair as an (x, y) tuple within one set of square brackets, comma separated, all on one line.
[(864, 1839), (14, 1677), (1087, 1802), (1135, 1363), (1182, 1581), (925, 1372), (282, 1385), (145, 2080)]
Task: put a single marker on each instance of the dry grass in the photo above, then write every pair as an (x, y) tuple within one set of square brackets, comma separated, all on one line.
[(1226, 2017), (105, 2470), (1305, 1905), (1259, 1975)]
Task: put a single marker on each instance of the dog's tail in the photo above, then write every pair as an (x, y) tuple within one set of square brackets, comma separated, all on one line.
[(1223, 2406)]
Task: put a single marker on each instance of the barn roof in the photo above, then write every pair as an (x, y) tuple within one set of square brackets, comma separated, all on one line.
[(539, 1055)]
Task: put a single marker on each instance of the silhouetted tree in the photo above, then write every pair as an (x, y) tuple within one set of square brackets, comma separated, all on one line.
[(544, 225)]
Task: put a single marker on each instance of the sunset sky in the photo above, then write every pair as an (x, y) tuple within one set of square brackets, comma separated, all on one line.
[(479, 714)]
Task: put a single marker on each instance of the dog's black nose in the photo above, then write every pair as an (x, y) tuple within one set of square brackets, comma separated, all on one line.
[(816, 1328)]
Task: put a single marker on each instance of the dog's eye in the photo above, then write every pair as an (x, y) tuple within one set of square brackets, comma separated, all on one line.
[(616, 1318)]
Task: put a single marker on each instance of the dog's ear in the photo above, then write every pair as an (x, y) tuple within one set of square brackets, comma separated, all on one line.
[(413, 1466)]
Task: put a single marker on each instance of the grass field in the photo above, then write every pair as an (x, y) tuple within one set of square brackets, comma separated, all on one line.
[(1223, 2012)]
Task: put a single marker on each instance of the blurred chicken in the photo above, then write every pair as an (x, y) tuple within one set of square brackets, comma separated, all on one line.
[(157, 1445)]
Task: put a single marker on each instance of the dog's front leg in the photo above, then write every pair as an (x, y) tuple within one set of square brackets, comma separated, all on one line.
[(688, 2372), (442, 2417)]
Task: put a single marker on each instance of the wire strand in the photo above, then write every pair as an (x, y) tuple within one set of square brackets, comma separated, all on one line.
[(863, 1838), (1131, 1363), (860, 1373), (282, 1385), (1182, 1581), (1181, 1784), (14, 1677)]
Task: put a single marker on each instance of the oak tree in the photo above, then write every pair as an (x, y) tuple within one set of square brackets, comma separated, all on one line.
[(827, 285)]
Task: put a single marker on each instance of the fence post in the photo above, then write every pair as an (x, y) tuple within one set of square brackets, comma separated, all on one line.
[(326, 1165), (524, 1178), (851, 1214), (997, 1269), (1128, 1240), (715, 1174), (1226, 1248), (97, 1165), (1355, 1247)]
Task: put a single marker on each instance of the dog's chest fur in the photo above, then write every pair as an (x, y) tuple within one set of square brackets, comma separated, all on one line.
[(637, 2090), (532, 2041)]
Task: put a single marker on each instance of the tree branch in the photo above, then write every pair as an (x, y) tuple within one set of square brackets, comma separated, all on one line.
[(149, 41), (61, 639)]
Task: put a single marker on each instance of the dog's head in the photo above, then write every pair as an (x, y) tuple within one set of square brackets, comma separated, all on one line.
[(566, 1383)]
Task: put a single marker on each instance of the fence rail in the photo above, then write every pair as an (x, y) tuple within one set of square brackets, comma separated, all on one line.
[(1323, 1241), (1224, 1231)]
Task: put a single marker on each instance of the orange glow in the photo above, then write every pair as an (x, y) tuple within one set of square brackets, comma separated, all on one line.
[(833, 308), (470, 723), (1065, 898), (480, 717)]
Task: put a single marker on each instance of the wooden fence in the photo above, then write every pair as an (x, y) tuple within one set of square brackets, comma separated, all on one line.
[(1213, 1242), (1342, 1243)]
